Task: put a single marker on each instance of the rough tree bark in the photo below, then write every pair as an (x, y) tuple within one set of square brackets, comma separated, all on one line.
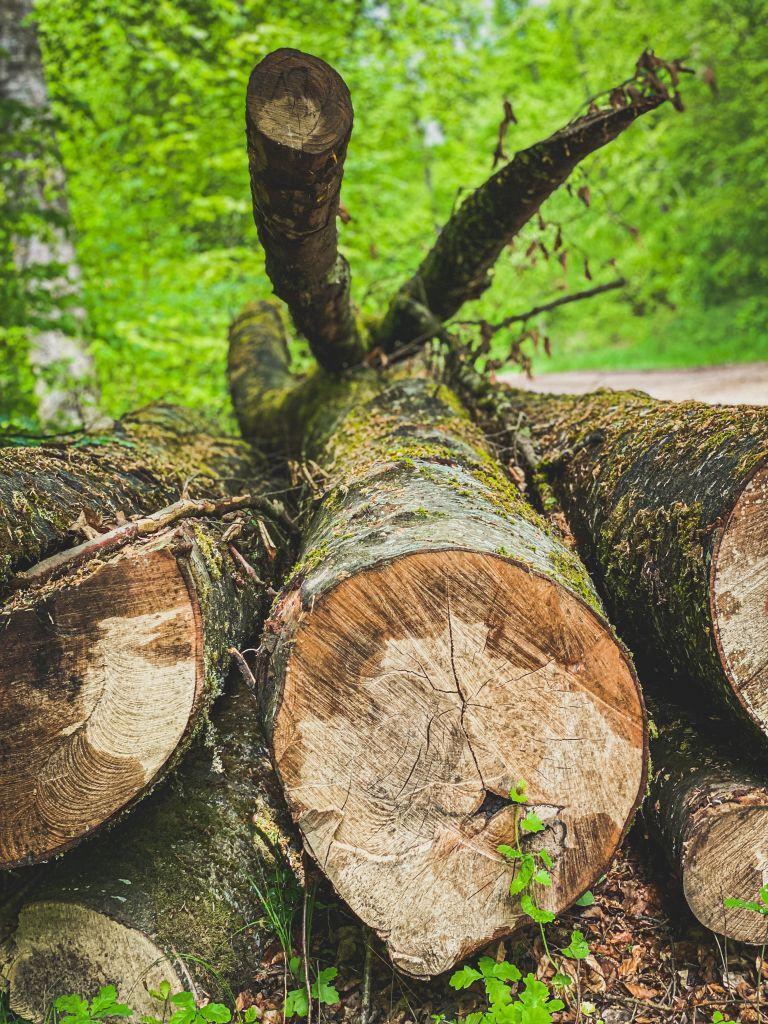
[(298, 124), (148, 460), (457, 268), (711, 814), (435, 644), (113, 650), (168, 895), (65, 376), (669, 505)]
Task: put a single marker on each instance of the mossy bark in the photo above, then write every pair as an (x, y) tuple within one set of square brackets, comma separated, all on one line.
[(709, 809), (424, 578), (146, 462), (168, 894), (668, 503)]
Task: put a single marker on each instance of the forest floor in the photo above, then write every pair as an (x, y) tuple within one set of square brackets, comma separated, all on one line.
[(737, 383), (650, 962)]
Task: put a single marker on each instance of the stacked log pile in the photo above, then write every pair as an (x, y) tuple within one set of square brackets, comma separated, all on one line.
[(436, 640)]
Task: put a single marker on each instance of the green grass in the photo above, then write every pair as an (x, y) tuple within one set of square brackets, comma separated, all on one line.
[(617, 340)]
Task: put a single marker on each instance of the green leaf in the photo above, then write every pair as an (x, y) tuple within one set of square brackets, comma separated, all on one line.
[(162, 991), (543, 877), (509, 852), (562, 980), (507, 971), (577, 948), (535, 913), (764, 894), (296, 1003), (518, 793), (546, 860), (532, 823), (487, 966), (535, 992), (498, 992), (745, 905), (293, 965), (185, 1000), (464, 977), (523, 875), (72, 1004), (105, 1004), (184, 1016), (217, 1013), (324, 992), (586, 900)]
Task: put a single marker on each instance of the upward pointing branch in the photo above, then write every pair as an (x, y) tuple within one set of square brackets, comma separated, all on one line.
[(457, 267), (298, 124)]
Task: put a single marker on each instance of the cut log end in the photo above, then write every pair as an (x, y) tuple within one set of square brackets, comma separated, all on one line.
[(298, 101), (100, 676), (729, 859), (740, 597), (68, 946), (416, 694)]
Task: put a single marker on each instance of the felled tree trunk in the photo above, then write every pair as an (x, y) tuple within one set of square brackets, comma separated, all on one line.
[(434, 645), (711, 814), (113, 650), (167, 896), (65, 377), (669, 504)]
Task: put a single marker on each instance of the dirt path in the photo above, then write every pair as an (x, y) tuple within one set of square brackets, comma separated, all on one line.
[(740, 382)]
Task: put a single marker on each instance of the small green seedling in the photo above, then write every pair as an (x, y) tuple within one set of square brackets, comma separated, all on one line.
[(507, 1002), (186, 1010), (577, 948), (77, 1010), (297, 1003)]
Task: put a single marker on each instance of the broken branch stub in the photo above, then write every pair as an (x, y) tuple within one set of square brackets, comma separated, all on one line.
[(298, 124), (457, 268)]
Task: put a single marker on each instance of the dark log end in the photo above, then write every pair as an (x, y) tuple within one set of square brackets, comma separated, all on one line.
[(299, 102), (415, 695), (101, 674), (726, 858), (63, 947), (740, 597)]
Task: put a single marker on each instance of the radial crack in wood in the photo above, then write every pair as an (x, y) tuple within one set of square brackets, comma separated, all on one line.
[(416, 695)]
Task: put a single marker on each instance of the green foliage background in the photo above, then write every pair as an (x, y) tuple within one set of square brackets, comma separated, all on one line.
[(149, 97)]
